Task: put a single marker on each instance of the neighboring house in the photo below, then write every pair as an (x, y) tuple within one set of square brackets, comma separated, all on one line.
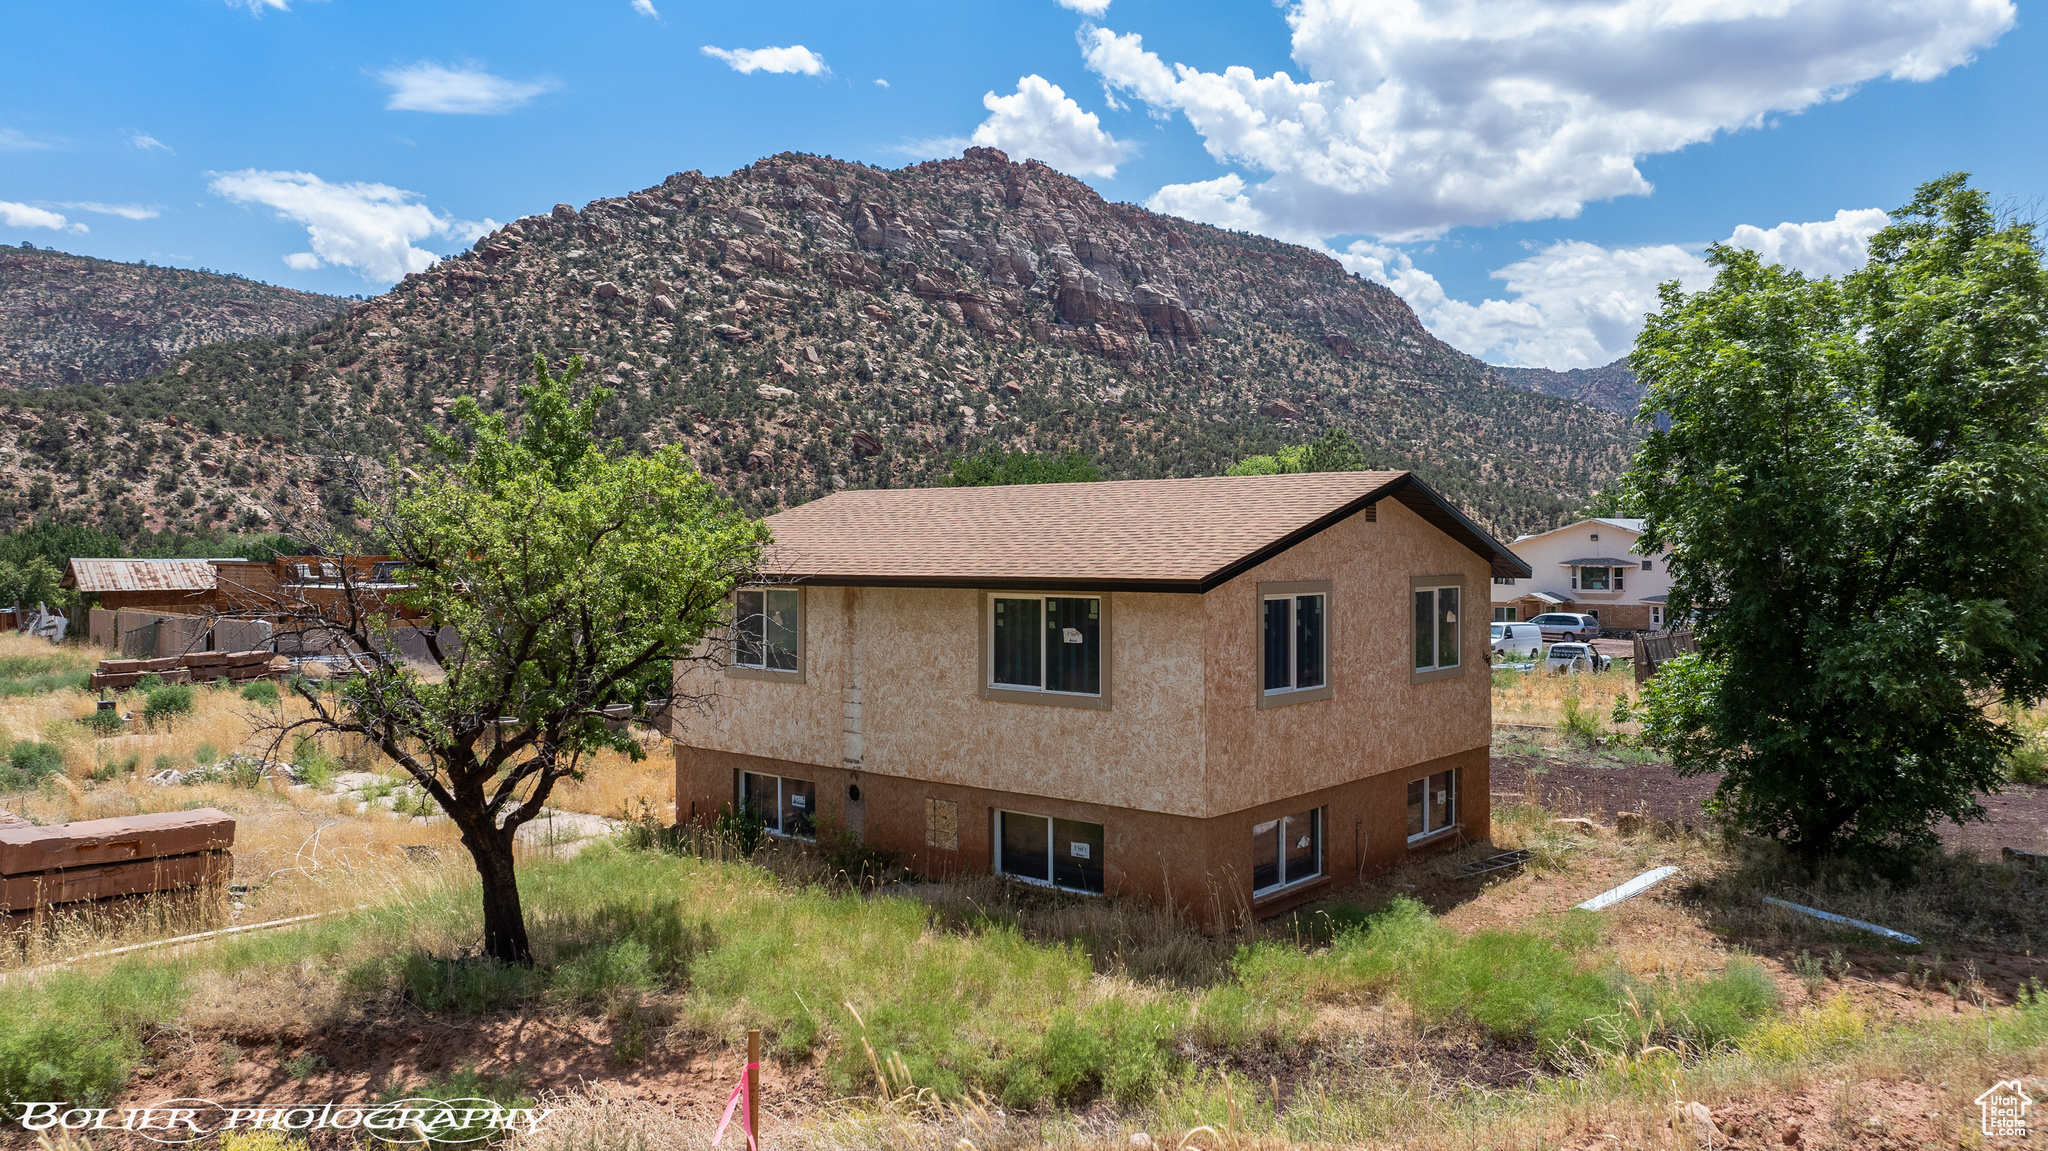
[(167, 606), (1593, 568), (1229, 693)]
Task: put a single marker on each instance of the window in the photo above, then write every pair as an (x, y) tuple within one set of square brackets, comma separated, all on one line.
[(1656, 617), (1617, 577), (786, 806), (1287, 851), (767, 633), (1436, 627), (1432, 804), (1593, 579), (1647, 567), (1504, 615), (1504, 581), (1061, 853), (1294, 641), (1047, 649)]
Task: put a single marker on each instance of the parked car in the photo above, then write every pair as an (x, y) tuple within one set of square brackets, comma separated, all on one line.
[(1517, 640), (1575, 657), (1557, 625)]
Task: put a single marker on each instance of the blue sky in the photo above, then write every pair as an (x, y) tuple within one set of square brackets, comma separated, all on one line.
[(1522, 172)]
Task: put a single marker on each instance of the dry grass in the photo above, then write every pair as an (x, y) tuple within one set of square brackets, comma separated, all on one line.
[(1540, 699)]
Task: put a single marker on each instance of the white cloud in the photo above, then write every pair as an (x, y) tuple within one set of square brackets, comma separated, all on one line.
[(430, 87), (793, 59), (646, 8), (1093, 8), (16, 215), (1823, 248), (1575, 304), (14, 140), (880, 83), (125, 211), (1416, 118), (368, 227), (148, 143), (1041, 122), (258, 7)]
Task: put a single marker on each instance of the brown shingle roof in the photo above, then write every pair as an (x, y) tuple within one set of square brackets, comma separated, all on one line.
[(1166, 535)]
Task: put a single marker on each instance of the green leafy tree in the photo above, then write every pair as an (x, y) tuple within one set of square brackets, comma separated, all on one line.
[(997, 467), (1333, 451), (1854, 492), (571, 574)]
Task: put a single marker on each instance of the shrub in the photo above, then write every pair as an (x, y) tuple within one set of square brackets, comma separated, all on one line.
[(51, 1057), (166, 703), (29, 763), (262, 692), (103, 722), (205, 754), (466, 1084), (746, 828), (1579, 724)]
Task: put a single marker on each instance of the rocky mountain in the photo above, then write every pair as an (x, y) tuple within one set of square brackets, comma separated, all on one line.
[(1612, 387), (806, 324), (68, 319)]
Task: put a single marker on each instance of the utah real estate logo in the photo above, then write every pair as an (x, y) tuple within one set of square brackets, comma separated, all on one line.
[(2004, 1109)]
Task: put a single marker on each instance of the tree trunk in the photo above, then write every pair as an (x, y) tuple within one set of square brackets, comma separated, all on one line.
[(504, 921)]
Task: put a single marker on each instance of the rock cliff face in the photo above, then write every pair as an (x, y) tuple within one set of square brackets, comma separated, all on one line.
[(1612, 387), (68, 319), (806, 324)]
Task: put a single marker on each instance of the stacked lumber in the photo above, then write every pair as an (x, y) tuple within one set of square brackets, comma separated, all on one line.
[(233, 665), (121, 674), (106, 858)]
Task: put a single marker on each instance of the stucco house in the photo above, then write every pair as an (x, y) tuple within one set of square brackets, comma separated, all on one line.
[(1592, 567), (1229, 692)]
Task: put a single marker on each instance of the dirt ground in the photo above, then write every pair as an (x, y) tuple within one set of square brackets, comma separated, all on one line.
[(2016, 817)]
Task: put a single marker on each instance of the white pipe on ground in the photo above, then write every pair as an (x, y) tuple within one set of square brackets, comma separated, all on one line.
[(1831, 917), (1629, 890)]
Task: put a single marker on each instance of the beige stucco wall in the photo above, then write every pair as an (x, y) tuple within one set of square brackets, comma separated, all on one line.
[(1184, 735), (1375, 720), (1544, 553)]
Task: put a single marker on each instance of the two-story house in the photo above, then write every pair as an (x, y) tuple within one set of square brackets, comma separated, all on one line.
[(1229, 692), (1591, 567)]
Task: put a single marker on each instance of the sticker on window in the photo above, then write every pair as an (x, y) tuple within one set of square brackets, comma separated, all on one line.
[(799, 801), (1071, 634), (1302, 842), (1078, 850)]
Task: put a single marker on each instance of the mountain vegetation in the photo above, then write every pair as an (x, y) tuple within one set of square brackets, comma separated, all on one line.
[(1612, 387), (68, 319), (807, 324)]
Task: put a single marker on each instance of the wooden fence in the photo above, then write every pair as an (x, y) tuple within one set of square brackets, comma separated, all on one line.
[(1652, 651)]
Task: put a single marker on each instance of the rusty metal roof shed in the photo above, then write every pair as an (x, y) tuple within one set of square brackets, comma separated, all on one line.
[(103, 575)]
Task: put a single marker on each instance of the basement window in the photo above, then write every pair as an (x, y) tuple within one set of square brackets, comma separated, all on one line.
[(1287, 851), (767, 633), (1432, 804), (1062, 853), (786, 806)]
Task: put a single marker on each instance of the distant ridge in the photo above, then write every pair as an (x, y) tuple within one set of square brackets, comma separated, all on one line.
[(1612, 387), (68, 319)]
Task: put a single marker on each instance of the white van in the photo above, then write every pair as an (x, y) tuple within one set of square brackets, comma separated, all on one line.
[(1517, 639)]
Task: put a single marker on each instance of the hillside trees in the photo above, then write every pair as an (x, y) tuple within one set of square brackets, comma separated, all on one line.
[(573, 576), (1854, 492)]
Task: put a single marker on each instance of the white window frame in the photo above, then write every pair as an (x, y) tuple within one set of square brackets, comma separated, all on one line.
[(1606, 577), (1450, 808), (1051, 862), (1025, 693), (1656, 616), (1321, 822), (1436, 585), (740, 785), (1616, 578), (761, 670), (1292, 591)]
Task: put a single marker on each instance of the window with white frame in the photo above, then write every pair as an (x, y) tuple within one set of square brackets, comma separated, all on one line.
[(1504, 581), (1592, 579), (1432, 804), (1656, 616), (1287, 851), (1618, 573), (1050, 644), (767, 629), (1436, 628), (1293, 641), (784, 805), (1063, 853)]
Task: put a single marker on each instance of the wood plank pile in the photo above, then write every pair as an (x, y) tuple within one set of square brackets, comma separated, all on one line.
[(121, 674), (107, 858)]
